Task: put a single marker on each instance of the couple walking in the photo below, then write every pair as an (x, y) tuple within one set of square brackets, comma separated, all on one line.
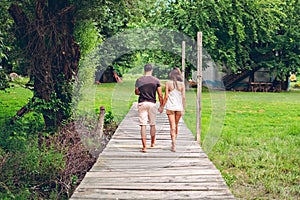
[(147, 87)]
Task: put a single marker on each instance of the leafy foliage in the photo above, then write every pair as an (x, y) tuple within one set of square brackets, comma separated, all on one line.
[(3, 80), (87, 36), (6, 39), (36, 164), (239, 34), (47, 167)]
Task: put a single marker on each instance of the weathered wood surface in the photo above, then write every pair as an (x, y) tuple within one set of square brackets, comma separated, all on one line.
[(122, 172)]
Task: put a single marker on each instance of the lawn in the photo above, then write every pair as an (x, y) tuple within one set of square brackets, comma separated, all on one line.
[(12, 100), (258, 151), (252, 138)]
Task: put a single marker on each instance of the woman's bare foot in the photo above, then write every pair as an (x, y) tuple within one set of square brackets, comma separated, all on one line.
[(143, 150), (173, 149)]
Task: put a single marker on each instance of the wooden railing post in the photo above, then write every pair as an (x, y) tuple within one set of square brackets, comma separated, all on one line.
[(101, 121), (183, 61), (199, 85)]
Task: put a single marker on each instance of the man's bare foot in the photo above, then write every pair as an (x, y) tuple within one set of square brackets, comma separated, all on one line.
[(153, 140), (143, 150)]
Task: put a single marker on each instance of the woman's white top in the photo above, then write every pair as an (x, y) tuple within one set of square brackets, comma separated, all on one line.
[(174, 101)]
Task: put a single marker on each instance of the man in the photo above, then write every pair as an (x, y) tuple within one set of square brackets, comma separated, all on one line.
[(146, 87)]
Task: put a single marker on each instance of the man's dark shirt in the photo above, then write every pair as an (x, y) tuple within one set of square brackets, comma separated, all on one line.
[(147, 86)]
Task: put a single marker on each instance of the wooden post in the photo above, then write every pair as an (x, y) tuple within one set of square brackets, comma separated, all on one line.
[(183, 60), (101, 121), (199, 84)]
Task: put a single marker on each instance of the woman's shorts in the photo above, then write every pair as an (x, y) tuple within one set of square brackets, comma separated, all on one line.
[(172, 112)]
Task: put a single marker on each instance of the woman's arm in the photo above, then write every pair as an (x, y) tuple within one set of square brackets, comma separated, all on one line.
[(183, 96), (161, 108)]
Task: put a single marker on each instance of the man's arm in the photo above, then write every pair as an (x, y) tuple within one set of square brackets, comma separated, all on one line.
[(160, 95), (161, 108)]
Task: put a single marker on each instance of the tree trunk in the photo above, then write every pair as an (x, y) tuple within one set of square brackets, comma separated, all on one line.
[(50, 46)]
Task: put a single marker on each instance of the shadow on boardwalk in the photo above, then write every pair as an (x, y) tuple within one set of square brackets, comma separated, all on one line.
[(122, 172)]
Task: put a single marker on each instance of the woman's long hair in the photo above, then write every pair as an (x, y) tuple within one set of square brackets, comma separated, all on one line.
[(175, 75)]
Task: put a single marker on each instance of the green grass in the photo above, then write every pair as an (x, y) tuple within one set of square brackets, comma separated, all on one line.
[(252, 138), (258, 151), (12, 100), (115, 98)]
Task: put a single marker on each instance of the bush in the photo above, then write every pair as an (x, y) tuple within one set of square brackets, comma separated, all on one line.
[(3, 80), (15, 135), (297, 85), (48, 167), (33, 170), (38, 165)]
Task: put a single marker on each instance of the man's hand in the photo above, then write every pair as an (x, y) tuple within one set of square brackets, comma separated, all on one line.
[(160, 109)]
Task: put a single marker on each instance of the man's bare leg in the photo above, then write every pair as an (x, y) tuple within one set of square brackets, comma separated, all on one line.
[(144, 138), (152, 133)]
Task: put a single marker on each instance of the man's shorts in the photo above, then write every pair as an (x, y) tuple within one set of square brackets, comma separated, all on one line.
[(147, 112)]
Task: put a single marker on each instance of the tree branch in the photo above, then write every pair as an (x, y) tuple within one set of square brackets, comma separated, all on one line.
[(21, 21), (20, 113)]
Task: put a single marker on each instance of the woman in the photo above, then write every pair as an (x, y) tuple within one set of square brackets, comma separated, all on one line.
[(174, 100)]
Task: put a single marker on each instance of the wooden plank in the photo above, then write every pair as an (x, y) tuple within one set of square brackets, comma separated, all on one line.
[(170, 162), (140, 194), (154, 154), (164, 179), (133, 173), (163, 148), (158, 187)]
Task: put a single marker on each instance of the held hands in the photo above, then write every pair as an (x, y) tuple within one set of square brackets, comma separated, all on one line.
[(160, 109)]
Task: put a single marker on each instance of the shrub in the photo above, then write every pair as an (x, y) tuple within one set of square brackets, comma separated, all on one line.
[(31, 171), (38, 165), (48, 167), (3, 80), (14, 135), (297, 85)]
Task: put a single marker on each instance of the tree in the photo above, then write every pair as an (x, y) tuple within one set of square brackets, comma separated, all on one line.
[(45, 31), (239, 34), (54, 55), (140, 17), (6, 38), (286, 46)]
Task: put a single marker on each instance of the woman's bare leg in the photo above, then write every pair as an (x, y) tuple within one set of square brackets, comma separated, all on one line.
[(172, 131), (177, 118)]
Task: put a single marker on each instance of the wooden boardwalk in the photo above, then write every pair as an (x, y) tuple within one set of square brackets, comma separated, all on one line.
[(122, 172)]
